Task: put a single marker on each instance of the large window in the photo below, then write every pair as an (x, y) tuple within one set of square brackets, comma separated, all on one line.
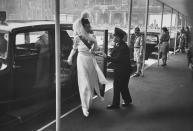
[(30, 43), (154, 18)]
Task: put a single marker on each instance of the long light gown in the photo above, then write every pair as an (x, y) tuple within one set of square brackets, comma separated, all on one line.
[(89, 74)]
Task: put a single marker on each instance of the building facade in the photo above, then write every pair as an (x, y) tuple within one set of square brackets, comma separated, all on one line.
[(104, 12), (28, 9)]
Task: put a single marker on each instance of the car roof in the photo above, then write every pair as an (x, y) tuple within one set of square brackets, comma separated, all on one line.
[(153, 33), (149, 33), (15, 25)]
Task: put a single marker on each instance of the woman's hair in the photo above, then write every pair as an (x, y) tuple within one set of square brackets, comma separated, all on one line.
[(78, 26), (165, 29), (85, 21)]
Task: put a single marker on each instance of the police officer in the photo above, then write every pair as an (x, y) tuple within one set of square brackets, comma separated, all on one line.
[(190, 58), (120, 58)]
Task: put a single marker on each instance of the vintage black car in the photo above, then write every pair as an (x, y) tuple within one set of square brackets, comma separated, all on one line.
[(27, 66)]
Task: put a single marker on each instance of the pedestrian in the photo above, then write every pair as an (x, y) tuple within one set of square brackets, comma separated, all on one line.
[(138, 51), (164, 45), (131, 46), (88, 71), (182, 40), (188, 37), (190, 58), (120, 57)]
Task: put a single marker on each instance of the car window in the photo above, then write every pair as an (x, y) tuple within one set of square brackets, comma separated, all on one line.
[(151, 39), (29, 43), (100, 38), (28, 37), (20, 39)]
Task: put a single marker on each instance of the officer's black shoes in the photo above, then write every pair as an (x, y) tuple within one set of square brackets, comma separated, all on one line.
[(126, 104), (136, 75), (164, 64), (112, 107)]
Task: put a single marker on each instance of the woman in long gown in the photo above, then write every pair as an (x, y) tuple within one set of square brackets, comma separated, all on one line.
[(88, 71)]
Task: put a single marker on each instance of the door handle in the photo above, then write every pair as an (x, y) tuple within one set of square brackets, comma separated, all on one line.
[(16, 67)]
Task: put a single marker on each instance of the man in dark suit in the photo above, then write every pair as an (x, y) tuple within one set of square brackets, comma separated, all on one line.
[(190, 58), (120, 58)]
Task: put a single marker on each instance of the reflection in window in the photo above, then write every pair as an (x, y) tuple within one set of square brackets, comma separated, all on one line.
[(32, 58), (43, 62), (26, 43), (3, 45), (28, 37)]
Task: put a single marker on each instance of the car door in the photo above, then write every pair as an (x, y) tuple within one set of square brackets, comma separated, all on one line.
[(31, 63)]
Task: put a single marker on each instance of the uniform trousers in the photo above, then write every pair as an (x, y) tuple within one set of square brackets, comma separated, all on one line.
[(120, 86)]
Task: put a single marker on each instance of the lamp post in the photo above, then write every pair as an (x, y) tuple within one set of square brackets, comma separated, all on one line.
[(160, 32), (171, 26), (176, 36), (145, 34), (129, 21)]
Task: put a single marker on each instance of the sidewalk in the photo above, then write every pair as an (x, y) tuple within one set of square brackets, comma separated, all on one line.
[(162, 101)]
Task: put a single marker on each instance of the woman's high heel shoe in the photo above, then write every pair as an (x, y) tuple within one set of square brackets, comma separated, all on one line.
[(102, 98), (85, 112)]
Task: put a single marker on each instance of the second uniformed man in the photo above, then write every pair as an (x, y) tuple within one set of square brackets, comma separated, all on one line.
[(138, 51), (120, 57)]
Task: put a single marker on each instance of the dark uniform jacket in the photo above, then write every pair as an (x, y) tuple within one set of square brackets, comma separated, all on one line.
[(120, 57), (190, 55)]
